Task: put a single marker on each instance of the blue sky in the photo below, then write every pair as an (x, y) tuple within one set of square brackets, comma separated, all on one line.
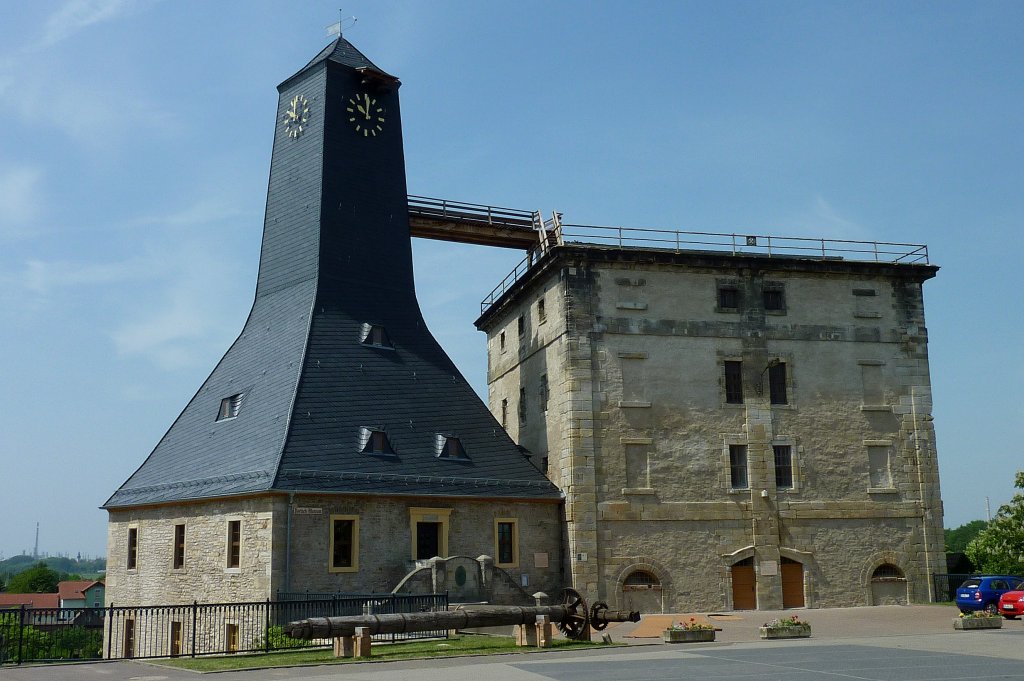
[(135, 149)]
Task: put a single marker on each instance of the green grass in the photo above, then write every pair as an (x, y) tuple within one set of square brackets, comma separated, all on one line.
[(456, 646)]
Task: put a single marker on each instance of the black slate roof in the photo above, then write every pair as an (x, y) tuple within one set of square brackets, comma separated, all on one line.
[(336, 257), (341, 52)]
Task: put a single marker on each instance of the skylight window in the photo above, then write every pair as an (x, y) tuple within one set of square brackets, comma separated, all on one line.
[(449, 447), (375, 335), (230, 406), (374, 441)]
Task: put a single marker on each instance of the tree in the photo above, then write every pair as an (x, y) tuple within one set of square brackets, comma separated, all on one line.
[(999, 548), (37, 579), (958, 539)]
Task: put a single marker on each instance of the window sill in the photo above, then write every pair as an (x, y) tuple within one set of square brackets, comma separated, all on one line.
[(638, 491), (232, 571), (875, 407), (630, 306), (739, 490), (883, 490), (867, 315), (338, 570), (634, 404)]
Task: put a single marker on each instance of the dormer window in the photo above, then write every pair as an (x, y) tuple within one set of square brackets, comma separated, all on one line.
[(449, 447), (229, 407), (374, 441), (376, 336)]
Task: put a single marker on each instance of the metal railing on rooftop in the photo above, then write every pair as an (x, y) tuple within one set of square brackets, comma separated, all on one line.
[(424, 206), (677, 241)]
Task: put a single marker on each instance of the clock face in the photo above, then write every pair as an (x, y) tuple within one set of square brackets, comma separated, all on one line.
[(365, 115), (295, 116)]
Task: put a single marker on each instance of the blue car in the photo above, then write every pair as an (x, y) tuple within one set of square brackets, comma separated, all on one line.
[(982, 593)]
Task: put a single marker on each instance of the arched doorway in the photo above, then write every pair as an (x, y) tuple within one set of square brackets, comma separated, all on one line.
[(888, 585), (744, 585), (792, 583), (641, 590)]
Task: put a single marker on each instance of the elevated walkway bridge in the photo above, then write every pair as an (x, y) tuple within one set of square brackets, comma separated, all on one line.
[(472, 223)]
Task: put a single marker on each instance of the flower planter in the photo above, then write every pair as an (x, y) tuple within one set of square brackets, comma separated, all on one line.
[(793, 631), (969, 623), (687, 635)]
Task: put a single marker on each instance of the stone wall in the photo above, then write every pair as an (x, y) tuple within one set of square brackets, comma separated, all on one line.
[(204, 575), (385, 540), (643, 426)]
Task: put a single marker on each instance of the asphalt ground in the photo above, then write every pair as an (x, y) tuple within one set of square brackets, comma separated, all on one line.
[(908, 643)]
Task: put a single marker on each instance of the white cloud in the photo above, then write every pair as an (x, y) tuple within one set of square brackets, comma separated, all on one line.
[(187, 321), (45, 278), (20, 200), (77, 15), (821, 219)]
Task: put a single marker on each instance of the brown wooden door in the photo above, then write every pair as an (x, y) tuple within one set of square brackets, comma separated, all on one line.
[(744, 586), (792, 584)]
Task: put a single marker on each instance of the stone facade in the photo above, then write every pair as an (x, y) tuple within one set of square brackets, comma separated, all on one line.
[(383, 547), (617, 382)]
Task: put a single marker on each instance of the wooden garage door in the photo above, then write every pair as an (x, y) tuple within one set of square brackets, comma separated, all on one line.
[(744, 585), (792, 584)]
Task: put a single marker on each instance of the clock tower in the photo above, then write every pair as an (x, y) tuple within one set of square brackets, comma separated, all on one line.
[(335, 398)]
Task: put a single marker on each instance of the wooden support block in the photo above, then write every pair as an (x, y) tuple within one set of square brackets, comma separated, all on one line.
[(344, 646), (526, 635), (362, 641), (544, 632)]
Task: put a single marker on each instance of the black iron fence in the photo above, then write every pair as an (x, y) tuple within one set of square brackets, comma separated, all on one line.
[(944, 586), (116, 632)]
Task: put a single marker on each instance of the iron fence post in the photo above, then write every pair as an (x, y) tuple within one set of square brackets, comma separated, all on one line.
[(21, 630), (110, 628), (266, 629), (195, 613)]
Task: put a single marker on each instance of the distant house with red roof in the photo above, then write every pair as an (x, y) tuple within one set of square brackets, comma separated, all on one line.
[(80, 594), (44, 607), (10, 601)]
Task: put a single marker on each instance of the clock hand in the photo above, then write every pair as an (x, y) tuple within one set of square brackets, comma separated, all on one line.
[(367, 106)]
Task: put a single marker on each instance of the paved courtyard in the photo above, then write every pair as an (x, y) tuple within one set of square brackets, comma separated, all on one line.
[(908, 643)]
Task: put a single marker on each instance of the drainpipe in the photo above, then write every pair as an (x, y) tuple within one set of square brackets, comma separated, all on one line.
[(288, 545), (924, 506)]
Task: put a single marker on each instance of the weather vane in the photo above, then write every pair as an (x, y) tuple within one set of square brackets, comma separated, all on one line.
[(336, 27)]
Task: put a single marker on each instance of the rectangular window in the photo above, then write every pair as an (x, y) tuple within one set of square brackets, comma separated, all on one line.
[(783, 466), (344, 544), (728, 298), (871, 380), (544, 392), (504, 413), (179, 547), (738, 467), (175, 639), (542, 315), (231, 638), (521, 325), (429, 531), (880, 470), (506, 531), (234, 543), (777, 383), (774, 299), (522, 405), (133, 548), (734, 382), (501, 341)]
